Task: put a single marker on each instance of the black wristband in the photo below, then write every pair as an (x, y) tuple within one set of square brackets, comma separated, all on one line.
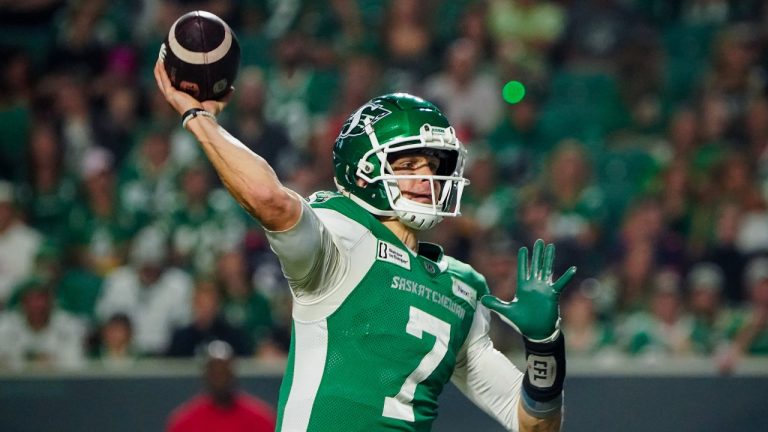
[(544, 376), (192, 113)]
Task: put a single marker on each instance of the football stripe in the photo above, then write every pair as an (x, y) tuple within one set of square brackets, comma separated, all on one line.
[(199, 58)]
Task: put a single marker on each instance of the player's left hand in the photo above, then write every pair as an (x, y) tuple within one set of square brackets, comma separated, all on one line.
[(534, 312)]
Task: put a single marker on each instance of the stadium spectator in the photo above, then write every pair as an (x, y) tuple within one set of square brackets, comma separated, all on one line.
[(587, 334), (19, 243), (115, 126), (628, 281), (749, 332), (204, 222), (722, 251), (662, 330), (683, 136), (298, 94), (17, 80), (534, 217), (244, 306), (113, 343), (148, 177), (520, 142), (676, 191), (595, 32), (208, 324), (39, 334), (756, 126), (222, 407), (490, 201), (465, 91), (360, 80), (734, 78), (76, 289), (524, 32), (73, 110), (156, 298), (47, 192), (268, 138), (81, 41), (578, 201), (407, 42), (705, 287), (98, 227)]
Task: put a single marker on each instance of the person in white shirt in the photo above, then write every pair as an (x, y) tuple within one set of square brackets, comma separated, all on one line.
[(18, 244), (38, 334), (154, 296)]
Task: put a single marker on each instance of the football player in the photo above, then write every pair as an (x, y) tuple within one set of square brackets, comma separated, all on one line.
[(382, 322)]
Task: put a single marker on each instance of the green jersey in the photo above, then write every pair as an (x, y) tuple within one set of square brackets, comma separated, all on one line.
[(378, 330)]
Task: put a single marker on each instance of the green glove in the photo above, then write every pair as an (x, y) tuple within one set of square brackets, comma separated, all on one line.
[(534, 312)]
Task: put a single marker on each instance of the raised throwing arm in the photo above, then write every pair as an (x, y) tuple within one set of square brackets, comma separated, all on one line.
[(246, 175)]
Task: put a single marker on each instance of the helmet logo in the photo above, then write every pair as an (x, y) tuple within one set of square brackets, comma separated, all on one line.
[(355, 125)]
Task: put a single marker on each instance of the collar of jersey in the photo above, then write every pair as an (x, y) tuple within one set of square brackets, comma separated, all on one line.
[(433, 253), (430, 251)]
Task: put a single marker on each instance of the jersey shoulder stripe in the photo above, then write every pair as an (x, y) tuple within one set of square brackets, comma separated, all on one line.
[(468, 275), (341, 204), (338, 202)]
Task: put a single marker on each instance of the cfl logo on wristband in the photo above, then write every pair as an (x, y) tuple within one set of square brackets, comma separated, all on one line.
[(542, 371)]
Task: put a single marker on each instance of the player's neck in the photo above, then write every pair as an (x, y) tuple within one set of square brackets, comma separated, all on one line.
[(407, 235)]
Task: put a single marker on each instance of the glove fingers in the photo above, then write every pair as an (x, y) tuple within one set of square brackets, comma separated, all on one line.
[(558, 286), (538, 248), (522, 265), (549, 259)]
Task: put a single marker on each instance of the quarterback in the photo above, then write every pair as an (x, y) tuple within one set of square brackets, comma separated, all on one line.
[(382, 322)]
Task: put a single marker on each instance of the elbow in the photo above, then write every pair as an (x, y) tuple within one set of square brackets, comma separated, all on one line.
[(276, 208)]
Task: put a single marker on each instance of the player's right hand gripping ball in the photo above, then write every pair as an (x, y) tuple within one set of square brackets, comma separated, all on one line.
[(201, 55), (535, 310)]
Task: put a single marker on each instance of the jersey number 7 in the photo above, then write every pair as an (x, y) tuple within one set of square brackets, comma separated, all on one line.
[(400, 406)]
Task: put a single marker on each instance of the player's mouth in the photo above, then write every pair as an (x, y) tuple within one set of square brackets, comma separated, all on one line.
[(419, 198)]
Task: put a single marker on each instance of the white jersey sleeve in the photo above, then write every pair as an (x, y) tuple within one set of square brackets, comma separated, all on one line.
[(486, 376), (309, 256)]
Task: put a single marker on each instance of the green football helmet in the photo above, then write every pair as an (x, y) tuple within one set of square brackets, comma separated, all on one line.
[(395, 124)]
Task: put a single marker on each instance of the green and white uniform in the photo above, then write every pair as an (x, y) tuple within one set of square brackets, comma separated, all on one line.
[(378, 330)]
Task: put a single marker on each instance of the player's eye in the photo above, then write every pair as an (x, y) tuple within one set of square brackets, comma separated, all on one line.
[(404, 166)]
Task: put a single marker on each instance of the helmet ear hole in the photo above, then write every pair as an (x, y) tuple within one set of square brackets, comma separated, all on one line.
[(366, 167)]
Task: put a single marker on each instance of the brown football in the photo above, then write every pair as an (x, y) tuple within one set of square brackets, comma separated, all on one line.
[(201, 55)]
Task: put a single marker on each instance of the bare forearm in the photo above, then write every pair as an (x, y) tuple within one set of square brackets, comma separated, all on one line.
[(247, 176)]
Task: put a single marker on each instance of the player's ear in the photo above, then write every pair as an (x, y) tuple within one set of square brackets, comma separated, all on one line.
[(362, 183)]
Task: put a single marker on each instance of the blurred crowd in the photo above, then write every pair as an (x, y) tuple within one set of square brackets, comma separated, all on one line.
[(640, 149)]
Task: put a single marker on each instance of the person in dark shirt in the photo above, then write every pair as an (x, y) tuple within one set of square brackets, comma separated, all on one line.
[(207, 324)]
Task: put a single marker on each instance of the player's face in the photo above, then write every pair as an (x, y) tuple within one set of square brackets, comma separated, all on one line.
[(417, 189)]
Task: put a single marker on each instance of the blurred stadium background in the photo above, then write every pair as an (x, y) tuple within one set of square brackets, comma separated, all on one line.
[(640, 149)]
